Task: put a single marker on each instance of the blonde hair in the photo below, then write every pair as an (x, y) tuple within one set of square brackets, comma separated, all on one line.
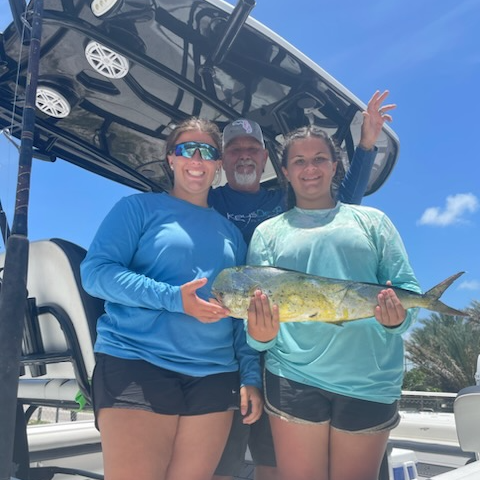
[(194, 124)]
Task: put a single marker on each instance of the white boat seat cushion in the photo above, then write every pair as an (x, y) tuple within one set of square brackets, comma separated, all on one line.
[(54, 281), (466, 409)]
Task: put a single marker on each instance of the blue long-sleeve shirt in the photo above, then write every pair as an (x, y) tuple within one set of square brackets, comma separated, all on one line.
[(145, 249)]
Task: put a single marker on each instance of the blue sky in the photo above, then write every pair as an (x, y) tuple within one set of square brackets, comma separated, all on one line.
[(426, 53)]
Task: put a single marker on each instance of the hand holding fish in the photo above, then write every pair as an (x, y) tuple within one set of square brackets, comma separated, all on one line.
[(263, 320), (193, 305), (389, 311), (250, 396)]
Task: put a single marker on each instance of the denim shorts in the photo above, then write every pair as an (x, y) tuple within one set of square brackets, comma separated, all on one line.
[(139, 385), (297, 402)]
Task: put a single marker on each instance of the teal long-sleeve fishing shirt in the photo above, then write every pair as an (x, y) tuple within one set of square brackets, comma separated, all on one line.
[(361, 359)]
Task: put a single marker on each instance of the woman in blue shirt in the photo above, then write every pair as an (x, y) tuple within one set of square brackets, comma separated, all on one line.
[(170, 363)]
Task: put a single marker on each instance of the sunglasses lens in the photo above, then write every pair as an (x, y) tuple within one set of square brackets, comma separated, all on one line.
[(188, 149), (207, 152)]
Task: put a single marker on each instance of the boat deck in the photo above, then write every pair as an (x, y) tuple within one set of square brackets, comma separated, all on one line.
[(427, 467), (432, 460)]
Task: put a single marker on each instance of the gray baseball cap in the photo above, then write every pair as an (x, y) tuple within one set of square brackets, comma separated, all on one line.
[(242, 128)]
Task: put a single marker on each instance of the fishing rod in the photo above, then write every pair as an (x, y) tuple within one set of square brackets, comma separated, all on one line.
[(13, 294)]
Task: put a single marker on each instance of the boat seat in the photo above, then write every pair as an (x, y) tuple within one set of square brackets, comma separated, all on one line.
[(466, 409), (57, 349), (47, 391), (60, 326)]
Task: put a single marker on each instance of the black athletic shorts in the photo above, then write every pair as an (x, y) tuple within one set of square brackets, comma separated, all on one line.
[(139, 385), (297, 402)]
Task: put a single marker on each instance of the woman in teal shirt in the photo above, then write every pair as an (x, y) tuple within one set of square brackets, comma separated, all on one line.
[(336, 386)]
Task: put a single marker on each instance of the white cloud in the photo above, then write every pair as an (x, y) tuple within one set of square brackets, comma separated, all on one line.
[(456, 207), (469, 285)]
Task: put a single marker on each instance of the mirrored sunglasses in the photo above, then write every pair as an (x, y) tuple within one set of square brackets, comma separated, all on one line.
[(188, 149)]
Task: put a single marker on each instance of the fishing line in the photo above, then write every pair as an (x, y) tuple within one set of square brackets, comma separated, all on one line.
[(8, 134), (17, 78)]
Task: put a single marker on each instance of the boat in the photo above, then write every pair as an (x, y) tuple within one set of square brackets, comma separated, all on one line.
[(432, 426), (424, 445), (100, 84), (116, 75)]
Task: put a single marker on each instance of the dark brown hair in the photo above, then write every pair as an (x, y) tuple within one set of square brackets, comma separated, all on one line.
[(313, 131)]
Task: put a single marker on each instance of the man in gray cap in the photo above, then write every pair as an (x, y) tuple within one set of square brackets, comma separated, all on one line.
[(246, 203), (242, 200), (246, 155)]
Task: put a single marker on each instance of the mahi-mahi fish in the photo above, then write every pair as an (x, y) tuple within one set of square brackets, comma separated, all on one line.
[(303, 297)]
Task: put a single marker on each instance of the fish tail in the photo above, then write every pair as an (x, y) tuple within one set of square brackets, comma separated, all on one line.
[(433, 295)]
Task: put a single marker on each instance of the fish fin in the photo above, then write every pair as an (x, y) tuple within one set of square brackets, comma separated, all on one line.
[(315, 316), (437, 291), (335, 322)]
